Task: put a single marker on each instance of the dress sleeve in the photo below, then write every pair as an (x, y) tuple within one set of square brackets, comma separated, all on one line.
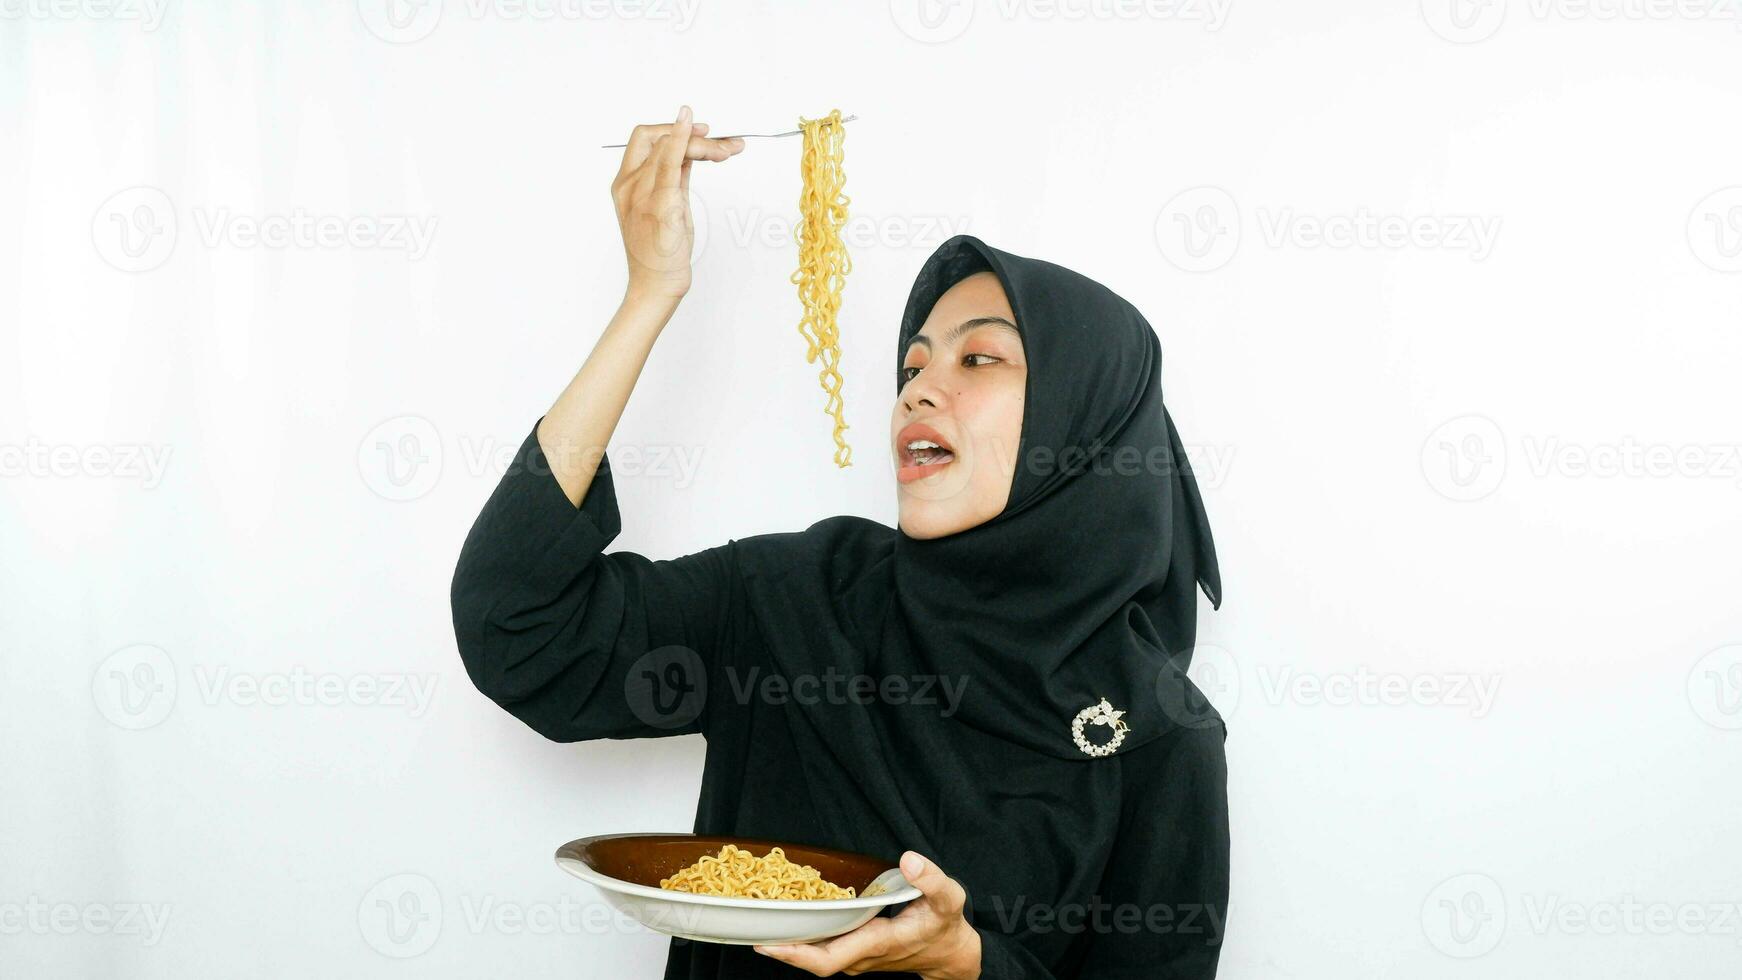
[(576, 643), (1168, 873)]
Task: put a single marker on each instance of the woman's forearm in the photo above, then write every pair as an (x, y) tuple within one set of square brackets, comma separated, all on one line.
[(650, 195), (578, 426)]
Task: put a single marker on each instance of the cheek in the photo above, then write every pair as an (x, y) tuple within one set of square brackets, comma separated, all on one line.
[(996, 421)]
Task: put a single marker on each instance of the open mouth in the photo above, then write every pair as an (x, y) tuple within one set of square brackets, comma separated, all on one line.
[(923, 452)]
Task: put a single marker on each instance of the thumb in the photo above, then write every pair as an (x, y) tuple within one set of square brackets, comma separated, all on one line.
[(923, 874), (944, 894)]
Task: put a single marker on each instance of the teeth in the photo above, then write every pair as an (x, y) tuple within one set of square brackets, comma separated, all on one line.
[(924, 452), (924, 457)]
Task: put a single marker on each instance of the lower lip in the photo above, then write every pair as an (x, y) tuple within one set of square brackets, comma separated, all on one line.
[(910, 472)]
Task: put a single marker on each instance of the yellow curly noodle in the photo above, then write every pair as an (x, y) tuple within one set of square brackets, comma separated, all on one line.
[(738, 873), (823, 262)]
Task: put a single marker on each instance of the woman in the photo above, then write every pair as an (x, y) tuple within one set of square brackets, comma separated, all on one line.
[(994, 689)]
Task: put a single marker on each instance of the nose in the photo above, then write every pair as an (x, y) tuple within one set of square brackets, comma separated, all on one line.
[(919, 391)]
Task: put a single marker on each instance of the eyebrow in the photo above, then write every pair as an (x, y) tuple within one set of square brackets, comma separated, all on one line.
[(962, 328)]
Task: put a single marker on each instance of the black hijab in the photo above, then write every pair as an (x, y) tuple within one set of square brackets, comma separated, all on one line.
[(1084, 587)]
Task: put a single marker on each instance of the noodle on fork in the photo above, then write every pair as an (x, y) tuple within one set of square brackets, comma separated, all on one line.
[(823, 260)]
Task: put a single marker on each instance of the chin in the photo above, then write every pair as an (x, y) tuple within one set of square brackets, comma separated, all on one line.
[(925, 523)]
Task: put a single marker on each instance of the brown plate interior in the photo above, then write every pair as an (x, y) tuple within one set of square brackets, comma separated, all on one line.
[(644, 859)]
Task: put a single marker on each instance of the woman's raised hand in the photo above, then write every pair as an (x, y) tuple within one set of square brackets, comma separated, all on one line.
[(651, 192)]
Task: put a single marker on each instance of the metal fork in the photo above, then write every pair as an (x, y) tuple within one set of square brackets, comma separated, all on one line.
[(794, 132)]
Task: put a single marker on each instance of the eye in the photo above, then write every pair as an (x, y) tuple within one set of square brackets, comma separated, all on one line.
[(907, 373)]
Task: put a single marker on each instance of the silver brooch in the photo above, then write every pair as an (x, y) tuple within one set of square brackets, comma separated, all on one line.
[(1099, 714)]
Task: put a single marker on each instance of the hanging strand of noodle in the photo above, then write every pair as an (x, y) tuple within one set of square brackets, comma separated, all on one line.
[(738, 873), (823, 262)]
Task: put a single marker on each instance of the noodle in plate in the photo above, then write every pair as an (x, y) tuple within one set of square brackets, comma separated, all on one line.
[(738, 873)]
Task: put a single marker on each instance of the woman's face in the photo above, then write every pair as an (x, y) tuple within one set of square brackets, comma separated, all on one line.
[(966, 378)]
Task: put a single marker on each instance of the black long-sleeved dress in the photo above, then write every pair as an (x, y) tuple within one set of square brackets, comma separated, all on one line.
[(549, 626)]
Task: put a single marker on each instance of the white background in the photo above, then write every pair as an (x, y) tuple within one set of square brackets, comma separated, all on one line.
[(1495, 454)]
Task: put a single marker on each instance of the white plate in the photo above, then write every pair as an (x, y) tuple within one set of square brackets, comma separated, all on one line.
[(736, 921)]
